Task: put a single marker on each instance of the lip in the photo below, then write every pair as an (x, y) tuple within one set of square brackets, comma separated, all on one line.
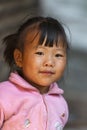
[(47, 72)]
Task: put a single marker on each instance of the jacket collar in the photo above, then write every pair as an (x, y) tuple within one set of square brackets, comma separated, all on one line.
[(17, 79)]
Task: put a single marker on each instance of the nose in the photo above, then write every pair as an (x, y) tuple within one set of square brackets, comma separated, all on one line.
[(49, 62)]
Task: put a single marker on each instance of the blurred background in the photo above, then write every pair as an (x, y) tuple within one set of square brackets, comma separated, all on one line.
[(73, 13)]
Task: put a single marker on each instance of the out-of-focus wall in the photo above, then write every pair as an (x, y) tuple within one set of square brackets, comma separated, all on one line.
[(12, 14)]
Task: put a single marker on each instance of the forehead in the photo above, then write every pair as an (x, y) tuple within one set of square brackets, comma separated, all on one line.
[(32, 37)]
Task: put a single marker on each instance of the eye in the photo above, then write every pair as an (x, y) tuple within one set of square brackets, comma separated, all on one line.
[(59, 55), (39, 53)]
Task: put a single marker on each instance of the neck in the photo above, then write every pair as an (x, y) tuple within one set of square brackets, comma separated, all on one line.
[(42, 89)]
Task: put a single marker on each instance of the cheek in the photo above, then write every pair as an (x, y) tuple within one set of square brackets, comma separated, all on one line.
[(61, 66), (34, 63), (64, 64), (38, 61)]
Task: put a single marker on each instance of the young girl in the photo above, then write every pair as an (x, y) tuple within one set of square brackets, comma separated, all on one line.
[(37, 56)]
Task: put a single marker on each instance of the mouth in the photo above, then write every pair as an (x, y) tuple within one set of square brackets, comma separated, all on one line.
[(47, 72)]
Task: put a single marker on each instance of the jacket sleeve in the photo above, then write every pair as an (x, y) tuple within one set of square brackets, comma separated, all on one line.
[(66, 114), (1, 116)]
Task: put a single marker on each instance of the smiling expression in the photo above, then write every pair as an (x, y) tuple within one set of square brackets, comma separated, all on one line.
[(41, 65)]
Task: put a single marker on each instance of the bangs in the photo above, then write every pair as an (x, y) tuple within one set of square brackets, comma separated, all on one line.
[(53, 33), (49, 30)]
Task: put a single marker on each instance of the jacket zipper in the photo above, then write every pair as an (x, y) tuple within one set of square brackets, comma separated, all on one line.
[(43, 97)]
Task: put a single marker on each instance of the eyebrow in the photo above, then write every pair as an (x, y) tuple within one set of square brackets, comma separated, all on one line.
[(44, 47), (60, 49), (39, 46)]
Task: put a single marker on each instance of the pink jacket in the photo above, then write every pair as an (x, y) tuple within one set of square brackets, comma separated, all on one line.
[(22, 107)]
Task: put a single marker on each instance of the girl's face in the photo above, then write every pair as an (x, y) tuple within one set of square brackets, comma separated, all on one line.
[(41, 65)]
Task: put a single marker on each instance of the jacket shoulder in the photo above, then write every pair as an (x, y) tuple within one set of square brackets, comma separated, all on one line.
[(5, 84), (6, 87)]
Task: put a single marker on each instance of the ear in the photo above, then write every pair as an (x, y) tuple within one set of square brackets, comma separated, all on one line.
[(18, 57)]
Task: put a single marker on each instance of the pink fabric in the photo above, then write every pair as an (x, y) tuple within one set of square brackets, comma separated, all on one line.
[(22, 107)]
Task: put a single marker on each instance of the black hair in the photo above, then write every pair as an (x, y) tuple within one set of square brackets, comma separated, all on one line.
[(45, 26)]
